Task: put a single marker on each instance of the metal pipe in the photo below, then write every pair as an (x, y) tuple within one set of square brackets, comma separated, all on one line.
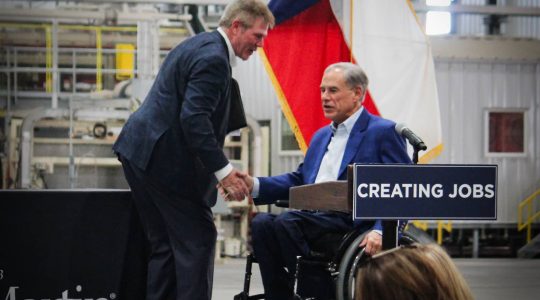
[(46, 15), (64, 70), (27, 128), (198, 2), (27, 134), (514, 11), (7, 118), (73, 73), (48, 58), (55, 75), (99, 61), (476, 243), (15, 75), (71, 167), (256, 153)]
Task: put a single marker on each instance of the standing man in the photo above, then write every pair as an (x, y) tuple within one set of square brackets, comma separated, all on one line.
[(354, 136), (171, 151)]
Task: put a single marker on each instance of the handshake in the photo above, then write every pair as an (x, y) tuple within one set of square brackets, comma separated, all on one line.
[(235, 186)]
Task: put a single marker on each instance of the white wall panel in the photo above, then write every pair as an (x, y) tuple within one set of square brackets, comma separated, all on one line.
[(528, 27), (466, 90), (258, 94)]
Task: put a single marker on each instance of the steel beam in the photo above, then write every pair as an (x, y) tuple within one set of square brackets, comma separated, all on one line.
[(514, 11)]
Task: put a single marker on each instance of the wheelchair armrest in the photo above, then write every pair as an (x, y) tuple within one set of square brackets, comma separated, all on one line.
[(282, 203), (414, 235)]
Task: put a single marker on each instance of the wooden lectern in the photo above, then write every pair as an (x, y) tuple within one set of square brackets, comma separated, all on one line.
[(336, 196), (329, 196)]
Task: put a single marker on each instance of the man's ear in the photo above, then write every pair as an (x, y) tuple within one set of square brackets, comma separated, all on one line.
[(358, 92), (236, 25)]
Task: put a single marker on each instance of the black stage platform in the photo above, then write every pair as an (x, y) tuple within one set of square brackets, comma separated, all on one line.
[(70, 244)]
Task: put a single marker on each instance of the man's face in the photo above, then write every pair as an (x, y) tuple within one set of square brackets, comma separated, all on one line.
[(339, 101), (244, 40)]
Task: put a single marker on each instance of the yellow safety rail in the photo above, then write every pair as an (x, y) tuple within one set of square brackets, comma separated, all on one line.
[(49, 59), (440, 226), (99, 51), (420, 225), (48, 44), (530, 216)]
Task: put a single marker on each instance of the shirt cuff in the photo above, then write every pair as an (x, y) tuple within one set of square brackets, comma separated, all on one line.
[(377, 231), (255, 190), (222, 173)]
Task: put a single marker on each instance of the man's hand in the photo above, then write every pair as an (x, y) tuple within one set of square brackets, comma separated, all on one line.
[(233, 186), (372, 243), (248, 180)]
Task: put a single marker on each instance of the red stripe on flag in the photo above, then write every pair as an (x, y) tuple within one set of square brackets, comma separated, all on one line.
[(370, 105), (299, 50)]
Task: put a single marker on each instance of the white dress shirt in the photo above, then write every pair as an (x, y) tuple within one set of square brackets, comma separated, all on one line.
[(222, 173)]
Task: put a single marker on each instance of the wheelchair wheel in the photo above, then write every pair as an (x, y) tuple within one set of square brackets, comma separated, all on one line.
[(347, 270), (354, 255)]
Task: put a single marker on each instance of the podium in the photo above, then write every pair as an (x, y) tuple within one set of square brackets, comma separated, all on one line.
[(392, 192)]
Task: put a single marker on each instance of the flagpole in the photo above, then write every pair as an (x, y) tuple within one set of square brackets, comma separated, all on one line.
[(351, 28)]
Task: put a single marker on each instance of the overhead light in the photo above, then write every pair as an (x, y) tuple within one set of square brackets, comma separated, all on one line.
[(438, 22), (438, 2)]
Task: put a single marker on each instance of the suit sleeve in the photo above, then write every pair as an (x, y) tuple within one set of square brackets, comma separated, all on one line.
[(277, 187), (206, 87), (393, 148)]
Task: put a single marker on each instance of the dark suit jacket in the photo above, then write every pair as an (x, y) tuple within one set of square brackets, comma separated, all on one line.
[(372, 140), (177, 134)]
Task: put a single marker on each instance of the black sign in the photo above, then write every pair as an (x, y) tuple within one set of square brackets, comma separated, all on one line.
[(429, 192), (76, 244)]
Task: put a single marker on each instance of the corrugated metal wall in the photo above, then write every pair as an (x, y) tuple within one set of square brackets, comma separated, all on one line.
[(466, 90), (513, 26), (257, 91), (528, 27), (468, 24)]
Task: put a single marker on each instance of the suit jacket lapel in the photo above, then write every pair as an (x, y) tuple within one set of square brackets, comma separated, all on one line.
[(319, 148), (355, 138)]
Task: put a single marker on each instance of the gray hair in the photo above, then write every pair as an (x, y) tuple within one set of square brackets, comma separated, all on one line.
[(354, 75), (246, 11)]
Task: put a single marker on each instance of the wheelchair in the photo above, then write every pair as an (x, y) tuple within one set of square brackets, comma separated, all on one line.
[(334, 260)]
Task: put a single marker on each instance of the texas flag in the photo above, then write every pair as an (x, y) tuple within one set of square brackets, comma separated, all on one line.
[(384, 38)]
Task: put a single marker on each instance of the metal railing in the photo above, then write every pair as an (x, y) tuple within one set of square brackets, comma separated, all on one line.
[(530, 215), (441, 225)]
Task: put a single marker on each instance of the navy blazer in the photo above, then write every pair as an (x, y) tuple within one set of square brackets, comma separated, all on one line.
[(177, 134), (372, 140)]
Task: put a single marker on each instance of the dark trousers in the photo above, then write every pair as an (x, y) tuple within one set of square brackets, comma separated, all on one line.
[(278, 240), (182, 237)]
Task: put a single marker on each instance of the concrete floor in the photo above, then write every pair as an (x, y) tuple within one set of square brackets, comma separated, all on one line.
[(489, 279)]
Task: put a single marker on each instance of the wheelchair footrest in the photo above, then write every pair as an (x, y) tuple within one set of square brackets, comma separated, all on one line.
[(314, 262), (245, 296)]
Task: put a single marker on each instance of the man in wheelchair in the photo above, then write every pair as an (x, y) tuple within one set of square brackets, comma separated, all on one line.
[(354, 136)]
